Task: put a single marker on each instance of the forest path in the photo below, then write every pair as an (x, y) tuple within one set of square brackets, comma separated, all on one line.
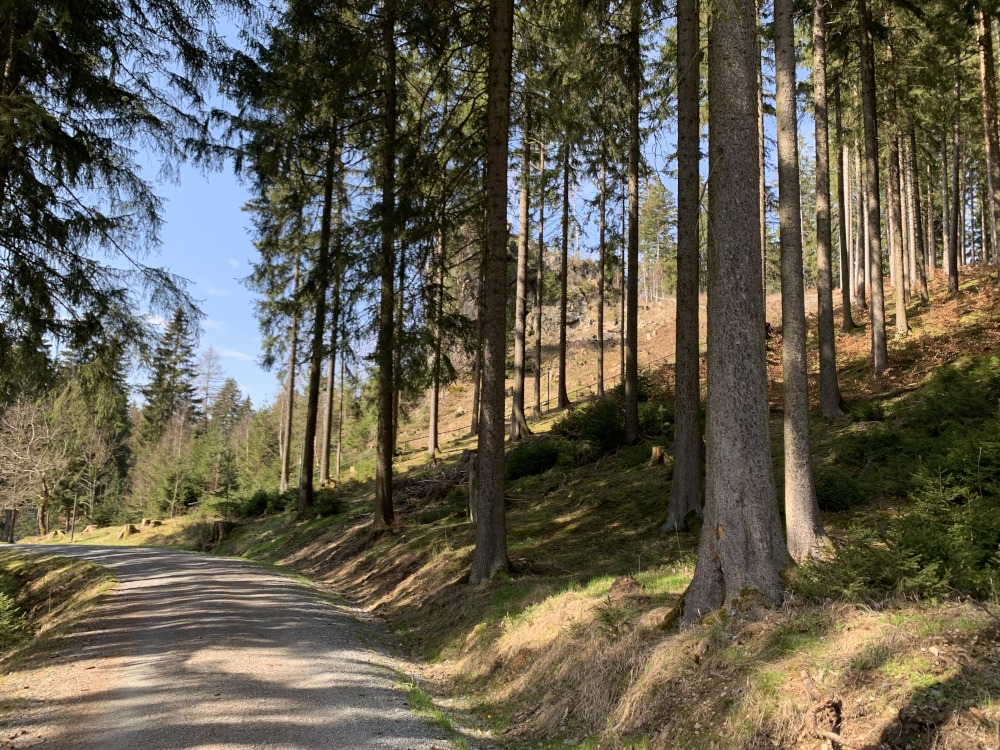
[(198, 652)]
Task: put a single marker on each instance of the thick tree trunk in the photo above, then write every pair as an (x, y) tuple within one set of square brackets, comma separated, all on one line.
[(539, 285), (741, 548), (876, 293), (761, 160), (385, 349), (287, 421), (518, 423), (829, 390), (322, 275), (987, 76), (634, 65), (846, 220), (490, 555), (687, 487), (563, 402), (804, 528)]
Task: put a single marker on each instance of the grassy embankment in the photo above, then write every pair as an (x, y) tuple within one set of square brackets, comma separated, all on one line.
[(895, 643), (41, 597)]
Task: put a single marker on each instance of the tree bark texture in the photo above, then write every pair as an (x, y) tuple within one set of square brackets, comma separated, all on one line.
[(322, 276), (876, 290), (687, 487), (921, 240), (490, 554), (741, 548), (804, 528), (539, 284), (602, 243), (987, 75), (846, 222), (895, 201), (829, 390), (564, 279), (385, 349), (518, 422), (634, 64), (958, 196), (287, 422)]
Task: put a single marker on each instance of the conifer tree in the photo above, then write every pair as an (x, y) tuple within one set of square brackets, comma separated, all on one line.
[(172, 379)]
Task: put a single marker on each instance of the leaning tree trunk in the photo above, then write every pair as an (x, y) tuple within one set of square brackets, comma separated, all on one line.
[(829, 390), (322, 274), (564, 280), (634, 64), (741, 549), (384, 347), (686, 489), (876, 290), (539, 285), (804, 528), (518, 423), (490, 554)]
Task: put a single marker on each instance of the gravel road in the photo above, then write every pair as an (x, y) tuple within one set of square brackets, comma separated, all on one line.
[(193, 651)]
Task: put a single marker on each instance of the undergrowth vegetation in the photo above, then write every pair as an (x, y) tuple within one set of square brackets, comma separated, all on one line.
[(577, 644), (42, 595)]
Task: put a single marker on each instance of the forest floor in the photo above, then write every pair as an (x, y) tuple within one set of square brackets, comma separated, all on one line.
[(893, 644)]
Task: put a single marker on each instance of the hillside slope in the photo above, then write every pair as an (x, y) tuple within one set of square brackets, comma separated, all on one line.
[(893, 644)]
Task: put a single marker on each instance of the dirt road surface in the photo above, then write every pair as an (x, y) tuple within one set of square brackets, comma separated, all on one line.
[(195, 652)]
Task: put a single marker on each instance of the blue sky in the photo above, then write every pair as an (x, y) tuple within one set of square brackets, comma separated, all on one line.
[(205, 240)]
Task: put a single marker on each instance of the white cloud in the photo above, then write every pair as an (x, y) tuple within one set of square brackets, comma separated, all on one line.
[(217, 326), (233, 354), (233, 263), (214, 291)]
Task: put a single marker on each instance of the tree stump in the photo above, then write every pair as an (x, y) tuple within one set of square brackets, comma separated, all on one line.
[(658, 455), (127, 530), (90, 529)]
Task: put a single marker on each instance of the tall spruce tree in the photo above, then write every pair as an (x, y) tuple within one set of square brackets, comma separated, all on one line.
[(172, 378)]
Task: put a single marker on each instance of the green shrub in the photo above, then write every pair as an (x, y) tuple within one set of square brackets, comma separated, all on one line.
[(949, 540), (264, 501), (837, 490), (656, 419), (13, 625), (868, 411), (530, 457), (327, 502)]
